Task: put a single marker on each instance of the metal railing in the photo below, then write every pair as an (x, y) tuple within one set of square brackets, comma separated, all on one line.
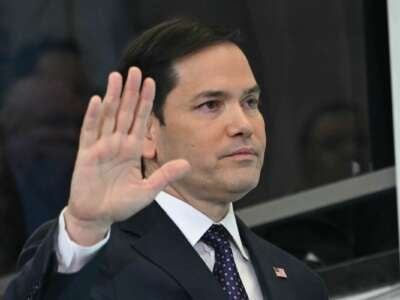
[(320, 197)]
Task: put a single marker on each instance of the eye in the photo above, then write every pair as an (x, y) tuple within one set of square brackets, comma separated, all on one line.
[(211, 105), (252, 103)]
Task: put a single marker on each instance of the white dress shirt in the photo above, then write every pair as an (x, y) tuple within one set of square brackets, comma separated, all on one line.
[(191, 222)]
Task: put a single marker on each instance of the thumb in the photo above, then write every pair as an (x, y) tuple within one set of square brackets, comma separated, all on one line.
[(169, 172)]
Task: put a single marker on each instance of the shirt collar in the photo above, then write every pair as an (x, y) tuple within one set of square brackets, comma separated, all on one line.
[(193, 223)]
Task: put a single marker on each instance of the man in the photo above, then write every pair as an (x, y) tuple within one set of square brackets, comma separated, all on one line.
[(200, 148)]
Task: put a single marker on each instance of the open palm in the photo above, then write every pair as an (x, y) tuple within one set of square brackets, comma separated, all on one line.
[(107, 184)]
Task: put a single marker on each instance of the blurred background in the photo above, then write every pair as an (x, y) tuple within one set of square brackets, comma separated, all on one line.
[(328, 192)]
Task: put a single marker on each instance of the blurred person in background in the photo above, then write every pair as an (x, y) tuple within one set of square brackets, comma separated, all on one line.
[(40, 119)]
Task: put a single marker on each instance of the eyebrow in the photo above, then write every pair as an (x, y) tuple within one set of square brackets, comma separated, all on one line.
[(218, 94), (253, 90)]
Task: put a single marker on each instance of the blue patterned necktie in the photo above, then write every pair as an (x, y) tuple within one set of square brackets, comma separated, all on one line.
[(225, 269)]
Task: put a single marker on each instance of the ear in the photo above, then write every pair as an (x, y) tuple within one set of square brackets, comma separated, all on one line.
[(149, 143)]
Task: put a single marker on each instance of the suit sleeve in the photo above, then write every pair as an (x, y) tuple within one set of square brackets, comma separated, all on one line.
[(37, 277), (35, 262)]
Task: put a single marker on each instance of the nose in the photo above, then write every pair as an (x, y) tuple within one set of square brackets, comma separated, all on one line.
[(239, 123)]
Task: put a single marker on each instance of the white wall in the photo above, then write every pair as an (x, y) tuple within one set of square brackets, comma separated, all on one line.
[(394, 41)]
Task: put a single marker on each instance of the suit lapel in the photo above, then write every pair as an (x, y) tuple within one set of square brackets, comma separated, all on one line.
[(161, 242), (264, 258)]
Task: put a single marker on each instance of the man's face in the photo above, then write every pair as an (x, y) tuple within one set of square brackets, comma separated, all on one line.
[(212, 120)]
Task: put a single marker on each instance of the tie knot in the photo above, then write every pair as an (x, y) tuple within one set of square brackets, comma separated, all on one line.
[(216, 236)]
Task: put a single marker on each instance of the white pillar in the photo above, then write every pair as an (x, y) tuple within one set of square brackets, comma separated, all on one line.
[(393, 7)]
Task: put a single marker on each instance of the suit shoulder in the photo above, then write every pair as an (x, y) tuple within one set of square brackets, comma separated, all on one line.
[(267, 256), (278, 254)]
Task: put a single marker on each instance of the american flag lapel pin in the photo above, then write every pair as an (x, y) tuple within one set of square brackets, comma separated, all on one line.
[(280, 272)]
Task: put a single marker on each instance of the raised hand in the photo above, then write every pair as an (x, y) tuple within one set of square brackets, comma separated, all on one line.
[(107, 184)]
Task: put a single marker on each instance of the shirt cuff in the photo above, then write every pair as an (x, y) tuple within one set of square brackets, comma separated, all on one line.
[(72, 257)]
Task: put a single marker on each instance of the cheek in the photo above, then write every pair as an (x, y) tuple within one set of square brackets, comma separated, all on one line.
[(264, 139), (200, 153), (197, 142), (176, 144), (197, 150), (261, 131)]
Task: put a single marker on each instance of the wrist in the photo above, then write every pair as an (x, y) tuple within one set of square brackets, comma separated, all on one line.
[(82, 232)]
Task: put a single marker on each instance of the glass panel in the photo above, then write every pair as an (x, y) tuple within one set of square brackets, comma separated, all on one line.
[(327, 98), (347, 239)]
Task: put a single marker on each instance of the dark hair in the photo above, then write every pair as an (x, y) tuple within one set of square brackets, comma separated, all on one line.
[(156, 50)]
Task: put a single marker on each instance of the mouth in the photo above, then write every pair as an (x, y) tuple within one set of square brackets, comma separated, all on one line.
[(242, 153)]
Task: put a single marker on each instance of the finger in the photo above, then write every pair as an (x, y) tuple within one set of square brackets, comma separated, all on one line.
[(129, 100), (143, 109), (111, 103), (168, 173), (91, 121)]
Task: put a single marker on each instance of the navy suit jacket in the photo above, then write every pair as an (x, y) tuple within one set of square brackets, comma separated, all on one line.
[(147, 257)]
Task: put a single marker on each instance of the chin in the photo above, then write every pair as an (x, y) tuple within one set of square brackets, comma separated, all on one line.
[(241, 186)]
